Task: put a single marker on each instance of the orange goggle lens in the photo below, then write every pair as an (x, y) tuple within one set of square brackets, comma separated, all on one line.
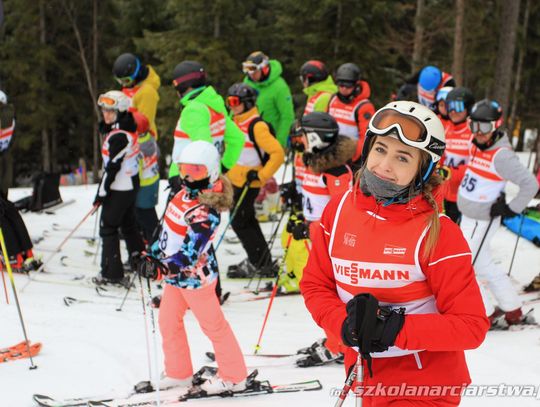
[(412, 129), (233, 101), (107, 102), (195, 171)]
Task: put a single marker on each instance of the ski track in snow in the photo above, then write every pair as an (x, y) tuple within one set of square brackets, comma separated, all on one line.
[(92, 349)]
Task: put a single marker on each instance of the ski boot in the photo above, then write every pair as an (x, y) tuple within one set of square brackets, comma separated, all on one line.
[(317, 355), (513, 321), (101, 281), (244, 269), (533, 286)]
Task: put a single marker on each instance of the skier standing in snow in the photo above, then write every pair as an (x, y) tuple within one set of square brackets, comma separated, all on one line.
[(185, 246), (481, 199), (118, 188), (351, 106), (327, 174), (387, 273), (459, 102), (140, 83), (260, 159), (203, 117)]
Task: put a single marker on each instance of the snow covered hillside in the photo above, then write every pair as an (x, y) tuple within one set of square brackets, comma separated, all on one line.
[(90, 348)]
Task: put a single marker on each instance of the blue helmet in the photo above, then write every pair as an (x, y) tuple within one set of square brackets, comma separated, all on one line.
[(430, 77)]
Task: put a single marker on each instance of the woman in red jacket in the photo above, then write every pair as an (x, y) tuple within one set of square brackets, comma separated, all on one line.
[(392, 276)]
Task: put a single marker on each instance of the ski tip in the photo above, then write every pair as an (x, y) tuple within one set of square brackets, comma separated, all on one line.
[(211, 356)]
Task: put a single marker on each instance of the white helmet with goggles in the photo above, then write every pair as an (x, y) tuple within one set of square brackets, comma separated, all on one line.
[(414, 124), (201, 153), (114, 100)]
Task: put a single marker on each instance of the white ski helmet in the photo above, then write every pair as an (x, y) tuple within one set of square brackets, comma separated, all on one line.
[(414, 124), (114, 100), (3, 98), (202, 153)]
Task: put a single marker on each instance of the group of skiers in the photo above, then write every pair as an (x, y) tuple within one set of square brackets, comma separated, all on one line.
[(398, 287)]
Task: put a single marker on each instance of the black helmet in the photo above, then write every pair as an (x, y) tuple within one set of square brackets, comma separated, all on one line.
[(486, 110), (348, 73), (126, 69), (314, 71), (188, 74), (459, 99), (320, 129), (242, 93)]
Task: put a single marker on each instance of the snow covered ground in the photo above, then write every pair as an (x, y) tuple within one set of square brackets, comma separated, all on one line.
[(90, 348)]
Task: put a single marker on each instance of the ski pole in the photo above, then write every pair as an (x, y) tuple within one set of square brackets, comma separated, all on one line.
[(272, 296), (516, 245), (156, 367), (482, 242), (127, 291), (4, 281), (59, 248), (146, 332), (233, 214), (10, 274), (351, 378)]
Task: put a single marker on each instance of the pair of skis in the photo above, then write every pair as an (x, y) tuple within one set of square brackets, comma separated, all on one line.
[(19, 351), (173, 396)]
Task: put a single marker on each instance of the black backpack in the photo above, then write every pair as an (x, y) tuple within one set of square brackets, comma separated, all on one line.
[(263, 155)]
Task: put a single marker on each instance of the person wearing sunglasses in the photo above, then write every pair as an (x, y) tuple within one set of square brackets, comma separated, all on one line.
[(458, 103), (260, 159), (274, 100), (391, 276), (318, 86), (481, 199), (184, 256), (141, 83), (203, 117), (327, 174), (119, 184), (351, 106)]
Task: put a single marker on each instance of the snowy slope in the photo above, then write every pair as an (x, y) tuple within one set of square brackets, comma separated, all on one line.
[(89, 348)]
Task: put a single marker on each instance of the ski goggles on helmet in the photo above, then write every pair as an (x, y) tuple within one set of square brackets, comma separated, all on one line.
[(482, 127), (107, 103), (196, 172), (455, 106), (409, 130), (250, 67), (346, 84), (233, 101)]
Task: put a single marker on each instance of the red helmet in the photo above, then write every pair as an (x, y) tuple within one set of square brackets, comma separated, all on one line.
[(313, 71)]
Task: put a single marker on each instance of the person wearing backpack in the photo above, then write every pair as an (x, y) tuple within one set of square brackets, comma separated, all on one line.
[(261, 157)]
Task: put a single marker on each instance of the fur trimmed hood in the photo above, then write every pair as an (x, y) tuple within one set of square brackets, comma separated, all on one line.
[(220, 197), (336, 155)]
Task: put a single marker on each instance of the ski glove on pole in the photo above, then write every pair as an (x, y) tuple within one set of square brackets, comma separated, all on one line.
[(501, 208), (371, 327), (151, 268), (252, 175), (445, 172), (298, 227)]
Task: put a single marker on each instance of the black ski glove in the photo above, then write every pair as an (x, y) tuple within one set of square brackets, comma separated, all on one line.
[(371, 327), (224, 170), (298, 227), (98, 200), (151, 268), (501, 208), (252, 175), (300, 231), (289, 195)]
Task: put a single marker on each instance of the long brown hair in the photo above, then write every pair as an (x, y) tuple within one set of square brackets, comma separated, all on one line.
[(427, 192)]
